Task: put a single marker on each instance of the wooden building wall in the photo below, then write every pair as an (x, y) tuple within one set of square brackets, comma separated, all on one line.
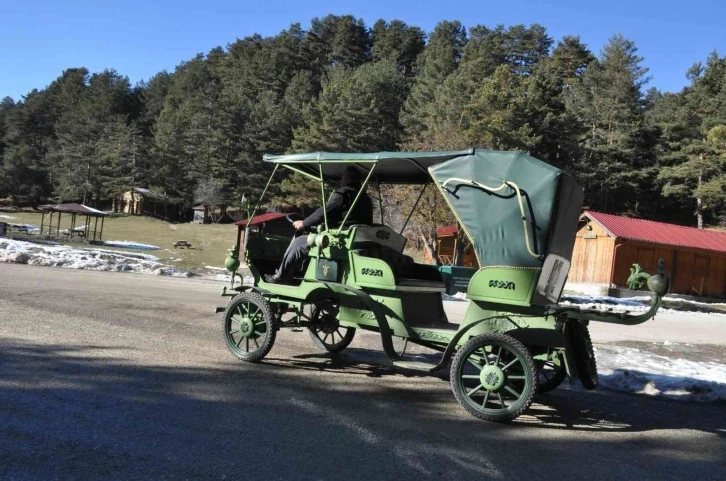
[(446, 249), (592, 256), (692, 272)]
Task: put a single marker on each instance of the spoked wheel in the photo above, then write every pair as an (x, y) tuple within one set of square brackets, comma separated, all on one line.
[(493, 377), (326, 331), (249, 327), (583, 354), (550, 372)]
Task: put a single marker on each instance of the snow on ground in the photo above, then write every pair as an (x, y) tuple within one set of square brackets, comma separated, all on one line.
[(459, 296), (132, 245), (642, 303), (632, 370), (7, 217), (92, 259), (213, 268)]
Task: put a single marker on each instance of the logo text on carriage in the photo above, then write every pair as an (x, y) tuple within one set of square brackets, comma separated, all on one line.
[(502, 284)]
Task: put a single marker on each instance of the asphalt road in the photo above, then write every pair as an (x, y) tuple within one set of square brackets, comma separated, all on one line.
[(122, 376)]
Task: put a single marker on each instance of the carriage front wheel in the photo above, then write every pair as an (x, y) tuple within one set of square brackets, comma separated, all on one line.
[(249, 327), (493, 377)]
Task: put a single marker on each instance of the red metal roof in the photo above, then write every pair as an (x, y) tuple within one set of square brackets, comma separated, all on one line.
[(659, 232), (259, 219), (447, 231)]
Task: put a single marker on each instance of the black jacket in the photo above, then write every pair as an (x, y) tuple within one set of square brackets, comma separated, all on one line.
[(338, 206)]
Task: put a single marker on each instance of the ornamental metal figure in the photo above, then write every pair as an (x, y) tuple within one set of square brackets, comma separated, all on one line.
[(520, 216)]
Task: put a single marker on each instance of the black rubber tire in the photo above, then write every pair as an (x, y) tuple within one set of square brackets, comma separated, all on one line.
[(529, 372), (558, 375), (583, 354), (270, 327), (319, 335)]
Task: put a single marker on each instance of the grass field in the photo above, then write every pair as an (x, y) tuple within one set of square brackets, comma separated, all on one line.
[(209, 242)]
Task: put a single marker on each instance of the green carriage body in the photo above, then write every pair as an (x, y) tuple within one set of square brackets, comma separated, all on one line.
[(520, 216)]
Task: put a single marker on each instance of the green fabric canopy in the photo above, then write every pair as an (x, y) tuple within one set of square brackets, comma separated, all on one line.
[(489, 209), (390, 167)]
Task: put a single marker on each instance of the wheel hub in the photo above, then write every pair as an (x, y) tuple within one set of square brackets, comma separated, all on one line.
[(492, 378), (246, 327)]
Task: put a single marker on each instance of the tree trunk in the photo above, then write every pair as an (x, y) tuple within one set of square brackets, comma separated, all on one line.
[(431, 246), (699, 206)]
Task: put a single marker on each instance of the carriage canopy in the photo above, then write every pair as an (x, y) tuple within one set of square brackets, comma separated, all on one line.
[(514, 208)]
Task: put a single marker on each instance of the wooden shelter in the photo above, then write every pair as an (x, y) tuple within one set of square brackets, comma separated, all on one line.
[(447, 240), (608, 245), (75, 211), (141, 201)]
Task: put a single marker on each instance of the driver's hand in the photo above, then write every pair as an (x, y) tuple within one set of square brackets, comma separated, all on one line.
[(298, 225)]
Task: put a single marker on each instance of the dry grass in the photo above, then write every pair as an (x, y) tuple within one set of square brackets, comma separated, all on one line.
[(209, 242)]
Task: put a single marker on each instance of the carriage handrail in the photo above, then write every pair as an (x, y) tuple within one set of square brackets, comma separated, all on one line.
[(516, 189)]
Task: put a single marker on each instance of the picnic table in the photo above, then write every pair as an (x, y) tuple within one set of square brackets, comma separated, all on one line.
[(19, 228), (182, 243)]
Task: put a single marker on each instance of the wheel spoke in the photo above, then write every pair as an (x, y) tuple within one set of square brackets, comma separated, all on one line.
[(256, 343), (474, 364), (470, 376), (326, 338), (512, 392), (516, 360), (516, 377), (499, 355), (501, 401), (469, 393), (486, 398), (234, 332), (247, 343), (239, 342)]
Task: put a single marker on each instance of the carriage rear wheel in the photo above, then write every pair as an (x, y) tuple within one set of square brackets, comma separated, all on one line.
[(583, 354), (325, 329), (493, 377), (249, 327)]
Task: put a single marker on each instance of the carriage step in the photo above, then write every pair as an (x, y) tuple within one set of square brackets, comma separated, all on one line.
[(415, 365)]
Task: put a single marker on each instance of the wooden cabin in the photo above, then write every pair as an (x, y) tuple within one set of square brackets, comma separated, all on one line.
[(608, 245), (446, 240)]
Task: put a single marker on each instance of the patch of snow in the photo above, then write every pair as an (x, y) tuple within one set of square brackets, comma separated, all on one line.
[(213, 268), (91, 259), (9, 217), (132, 245), (642, 304), (632, 370), (459, 296)]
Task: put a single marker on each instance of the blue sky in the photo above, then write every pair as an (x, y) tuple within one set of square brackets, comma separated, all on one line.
[(38, 39)]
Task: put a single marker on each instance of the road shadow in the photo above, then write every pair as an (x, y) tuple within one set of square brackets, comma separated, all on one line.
[(95, 413)]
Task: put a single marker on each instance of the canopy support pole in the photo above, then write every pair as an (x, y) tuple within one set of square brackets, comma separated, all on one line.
[(42, 221), (262, 196), (414, 208), (355, 201), (100, 235), (95, 228), (380, 201), (322, 192), (58, 229)]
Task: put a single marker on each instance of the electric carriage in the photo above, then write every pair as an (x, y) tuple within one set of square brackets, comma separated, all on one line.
[(520, 216)]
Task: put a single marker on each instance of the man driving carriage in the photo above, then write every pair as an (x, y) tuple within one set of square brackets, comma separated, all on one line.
[(336, 210)]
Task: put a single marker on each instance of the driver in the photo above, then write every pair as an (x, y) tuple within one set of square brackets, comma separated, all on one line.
[(336, 209)]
